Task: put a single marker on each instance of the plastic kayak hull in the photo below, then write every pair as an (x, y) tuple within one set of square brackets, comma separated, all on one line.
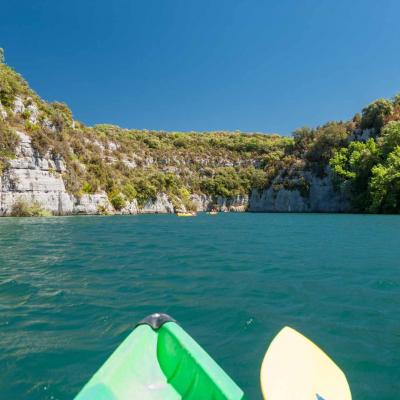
[(295, 368), (159, 360)]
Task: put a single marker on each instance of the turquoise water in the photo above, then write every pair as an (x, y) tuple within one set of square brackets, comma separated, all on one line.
[(72, 288)]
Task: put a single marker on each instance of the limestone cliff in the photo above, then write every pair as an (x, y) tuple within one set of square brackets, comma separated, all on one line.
[(32, 178), (36, 178), (321, 196), (39, 179), (49, 159)]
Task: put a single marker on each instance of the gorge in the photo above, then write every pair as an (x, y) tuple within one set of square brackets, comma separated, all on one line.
[(51, 163)]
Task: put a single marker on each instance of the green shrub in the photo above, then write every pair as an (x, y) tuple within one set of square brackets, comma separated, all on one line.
[(230, 182), (88, 188), (326, 140), (253, 178), (374, 115), (389, 138), (8, 143), (303, 139), (117, 200), (8, 140), (41, 141), (22, 208), (385, 184), (396, 100), (354, 165), (11, 85), (59, 114), (129, 191)]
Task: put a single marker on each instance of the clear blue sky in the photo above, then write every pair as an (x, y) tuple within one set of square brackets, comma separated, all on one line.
[(250, 65)]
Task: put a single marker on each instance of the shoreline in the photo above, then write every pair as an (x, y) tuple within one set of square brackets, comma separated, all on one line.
[(198, 213)]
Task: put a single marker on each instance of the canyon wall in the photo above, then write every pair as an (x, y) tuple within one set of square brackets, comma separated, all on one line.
[(35, 179)]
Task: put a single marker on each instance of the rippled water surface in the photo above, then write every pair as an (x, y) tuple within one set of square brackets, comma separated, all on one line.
[(72, 288)]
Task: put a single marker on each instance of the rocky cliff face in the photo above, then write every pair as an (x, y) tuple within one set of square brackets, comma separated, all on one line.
[(320, 196), (207, 203), (31, 178), (35, 179), (160, 205), (62, 166)]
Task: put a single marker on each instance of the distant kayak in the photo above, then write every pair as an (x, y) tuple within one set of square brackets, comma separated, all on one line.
[(212, 212), (160, 361), (186, 214)]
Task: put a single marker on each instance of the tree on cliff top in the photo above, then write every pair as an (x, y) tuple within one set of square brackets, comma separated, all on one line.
[(375, 114)]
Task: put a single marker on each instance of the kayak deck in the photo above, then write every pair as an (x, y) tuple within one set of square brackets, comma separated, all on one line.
[(160, 362)]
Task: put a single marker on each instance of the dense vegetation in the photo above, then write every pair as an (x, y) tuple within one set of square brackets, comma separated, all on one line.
[(372, 169), (133, 164)]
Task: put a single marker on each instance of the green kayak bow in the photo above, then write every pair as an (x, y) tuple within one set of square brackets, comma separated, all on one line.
[(159, 360)]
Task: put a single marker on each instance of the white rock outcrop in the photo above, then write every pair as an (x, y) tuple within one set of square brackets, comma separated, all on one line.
[(19, 106), (35, 179), (33, 110), (203, 202), (32, 178), (131, 208), (237, 203), (3, 112), (91, 204), (161, 205)]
